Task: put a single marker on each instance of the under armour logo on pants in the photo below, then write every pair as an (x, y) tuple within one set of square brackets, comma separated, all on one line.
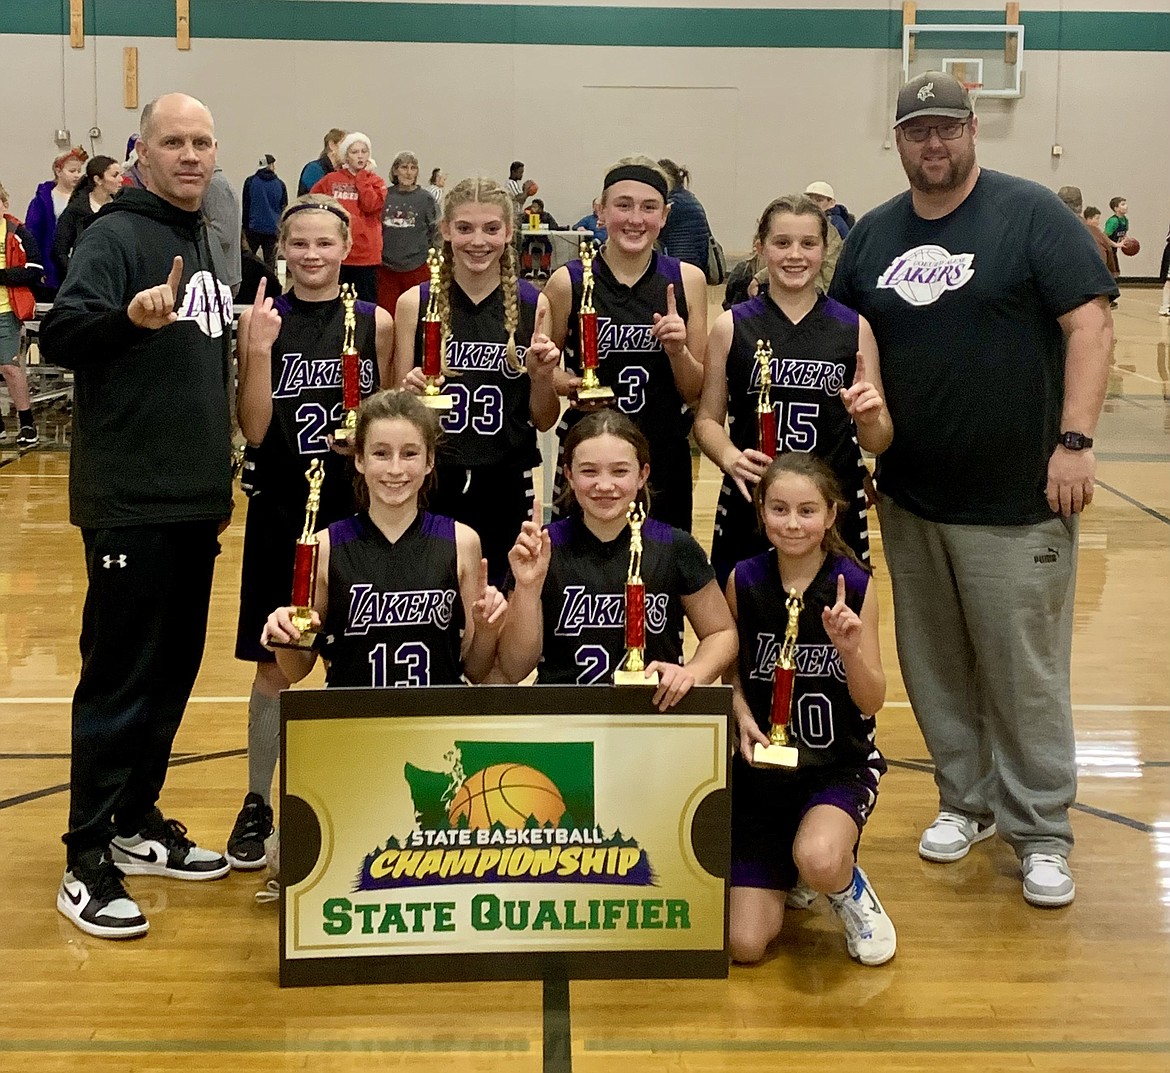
[(114, 560)]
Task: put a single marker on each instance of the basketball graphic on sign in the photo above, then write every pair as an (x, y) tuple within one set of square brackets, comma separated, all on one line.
[(506, 794)]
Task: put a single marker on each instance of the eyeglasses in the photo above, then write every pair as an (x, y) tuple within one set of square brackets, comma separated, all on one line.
[(947, 132)]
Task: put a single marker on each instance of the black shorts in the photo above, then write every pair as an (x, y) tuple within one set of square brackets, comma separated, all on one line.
[(270, 535), (768, 805), (493, 500)]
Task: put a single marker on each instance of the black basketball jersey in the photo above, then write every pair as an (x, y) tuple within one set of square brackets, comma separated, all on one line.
[(826, 724), (489, 423), (811, 361), (583, 599), (395, 615), (306, 401)]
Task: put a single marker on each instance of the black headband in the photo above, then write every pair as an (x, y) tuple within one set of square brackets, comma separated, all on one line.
[(639, 173), (341, 214)]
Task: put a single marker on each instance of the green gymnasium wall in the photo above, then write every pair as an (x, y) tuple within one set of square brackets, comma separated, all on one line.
[(580, 24)]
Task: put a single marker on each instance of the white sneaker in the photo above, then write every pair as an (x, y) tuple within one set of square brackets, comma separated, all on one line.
[(162, 848), (951, 837), (869, 933), (1048, 880), (801, 896), (92, 896), (1164, 311)]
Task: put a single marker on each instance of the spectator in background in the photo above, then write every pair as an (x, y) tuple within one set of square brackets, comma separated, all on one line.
[(221, 208), (265, 198), (839, 216), (45, 209), (20, 270), (686, 234), (103, 179), (590, 223), (536, 205), (131, 173), (435, 186), (410, 221), (362, 193), (516, 183), (329, 160), (1092, 218)]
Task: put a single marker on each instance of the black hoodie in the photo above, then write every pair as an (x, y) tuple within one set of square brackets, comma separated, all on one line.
[(151, 425)]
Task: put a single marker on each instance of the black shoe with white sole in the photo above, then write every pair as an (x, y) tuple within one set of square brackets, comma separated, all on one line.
[(93, 897), (162, 848), (245, 848)]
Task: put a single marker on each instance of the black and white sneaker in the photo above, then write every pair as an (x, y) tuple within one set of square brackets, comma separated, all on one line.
[(27, 437), (93, 897), (162, 848), (245, 848)]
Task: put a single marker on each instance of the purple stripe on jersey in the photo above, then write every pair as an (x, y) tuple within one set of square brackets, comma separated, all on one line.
[(754, 571), (438, 526), (366, 309), (576, 271), (282, 304), (839, 312), (669, 267), (856, 579), (561, 532), (753, 307), (344, 531), (657, 531), (526, 292)]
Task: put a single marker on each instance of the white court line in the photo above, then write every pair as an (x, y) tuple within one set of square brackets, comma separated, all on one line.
[(888, 704)]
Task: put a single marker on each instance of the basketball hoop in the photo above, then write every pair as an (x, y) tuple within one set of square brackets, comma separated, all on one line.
[(973, 89)]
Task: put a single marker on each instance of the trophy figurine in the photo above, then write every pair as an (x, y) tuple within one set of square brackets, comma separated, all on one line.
[(781, 752), (433, 341), (765, 412), (591, 389), (305, 564), (351, 386), (633, 670)]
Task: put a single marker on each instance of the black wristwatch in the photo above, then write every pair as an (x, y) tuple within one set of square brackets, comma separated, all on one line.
[(1075, 441)]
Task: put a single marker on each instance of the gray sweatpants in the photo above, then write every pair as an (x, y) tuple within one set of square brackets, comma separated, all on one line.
[(983, 618)]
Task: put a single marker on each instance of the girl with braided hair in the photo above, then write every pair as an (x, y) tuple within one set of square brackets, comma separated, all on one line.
[(498, 362)]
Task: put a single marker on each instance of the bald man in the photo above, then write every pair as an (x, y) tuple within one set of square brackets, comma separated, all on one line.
[(144, 320)]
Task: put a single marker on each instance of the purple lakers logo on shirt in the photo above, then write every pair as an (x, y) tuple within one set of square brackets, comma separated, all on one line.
[(299, 372), (208, 303), (826, 376), (812, 661), (605, 610), (471, 356), (922, 275), (419, 607)]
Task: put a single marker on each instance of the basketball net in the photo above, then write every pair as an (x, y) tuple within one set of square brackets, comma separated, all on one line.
[(973, 89)]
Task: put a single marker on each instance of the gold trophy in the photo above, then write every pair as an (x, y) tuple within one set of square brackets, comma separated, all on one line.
[(781, 752), (765, 412), (632, 670), (433, 341), (591, 391), (351, 386), (305, 564)]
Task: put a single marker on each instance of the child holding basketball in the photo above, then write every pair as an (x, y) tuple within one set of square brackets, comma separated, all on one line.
[(826, 384), (501, 364), (567, 608), (446, 624), (805, 823), (651, 329), (288, 402)]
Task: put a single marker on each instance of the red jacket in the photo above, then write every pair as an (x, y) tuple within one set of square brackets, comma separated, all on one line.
[(22, 267), (362, 195)]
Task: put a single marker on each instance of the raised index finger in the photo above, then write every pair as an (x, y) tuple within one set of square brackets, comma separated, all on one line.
[(840, 588), (537, 509), (176, 276), (859, 372), (538, 327), (258, 302), (671, 304), (483, 576)]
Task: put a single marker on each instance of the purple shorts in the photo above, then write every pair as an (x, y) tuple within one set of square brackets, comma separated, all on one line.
[(767, 807)]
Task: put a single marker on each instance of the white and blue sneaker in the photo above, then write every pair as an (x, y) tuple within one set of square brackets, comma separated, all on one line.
[(869, 933), (92, 896), (162, 848)]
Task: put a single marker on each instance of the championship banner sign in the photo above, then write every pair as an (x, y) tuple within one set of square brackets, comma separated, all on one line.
[(503, 832)]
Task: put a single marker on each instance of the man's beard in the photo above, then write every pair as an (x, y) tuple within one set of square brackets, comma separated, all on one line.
[(959, 169)]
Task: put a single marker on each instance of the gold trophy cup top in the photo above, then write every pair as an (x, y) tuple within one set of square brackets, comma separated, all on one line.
[(585, 252), (435, 267), (315, 475), (787, 656), (348, 298), (635, 515), (764, 363)]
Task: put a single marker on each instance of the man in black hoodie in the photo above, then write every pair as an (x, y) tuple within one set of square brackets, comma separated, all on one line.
[(144, 321)]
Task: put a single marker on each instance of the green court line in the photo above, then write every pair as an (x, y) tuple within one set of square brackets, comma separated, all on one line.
[(880, 1046), (209, 1046), (576, 24)]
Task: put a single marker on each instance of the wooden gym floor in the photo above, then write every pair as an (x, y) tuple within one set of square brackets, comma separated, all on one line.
[(981, 981)]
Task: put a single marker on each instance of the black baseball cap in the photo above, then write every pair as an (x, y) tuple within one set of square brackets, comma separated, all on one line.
[(933, 93)]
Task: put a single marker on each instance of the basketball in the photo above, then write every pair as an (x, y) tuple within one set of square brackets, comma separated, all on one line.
[(1130, 246), (530, 188), (506, 794)]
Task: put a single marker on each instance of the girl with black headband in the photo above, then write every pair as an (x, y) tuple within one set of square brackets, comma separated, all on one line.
[(288, 403), (651, 330)]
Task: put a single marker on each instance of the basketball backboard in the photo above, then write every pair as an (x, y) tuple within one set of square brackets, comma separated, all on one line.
[(990, 56)]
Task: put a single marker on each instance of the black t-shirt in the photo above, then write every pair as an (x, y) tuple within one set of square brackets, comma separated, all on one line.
[(395, 616), (307, 402), (583, 599), (965, 313), (490, 422)]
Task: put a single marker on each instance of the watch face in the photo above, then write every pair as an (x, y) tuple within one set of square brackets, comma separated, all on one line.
[(1075, 441)]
